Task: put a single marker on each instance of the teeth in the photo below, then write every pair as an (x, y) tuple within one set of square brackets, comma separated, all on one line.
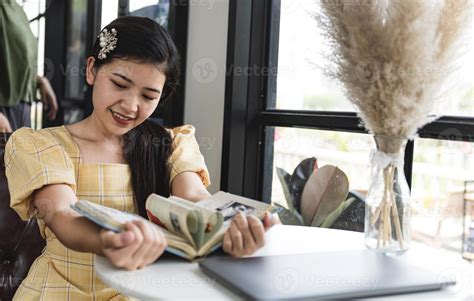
[(120, 116)]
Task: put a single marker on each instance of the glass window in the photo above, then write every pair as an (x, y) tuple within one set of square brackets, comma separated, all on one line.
[(348, 151), (440, 170), (109, 12), (153, 9), (76, 51), (32, 9), (302, 85)]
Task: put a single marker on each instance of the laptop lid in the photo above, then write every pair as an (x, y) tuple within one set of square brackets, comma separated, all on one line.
[(322, 275)]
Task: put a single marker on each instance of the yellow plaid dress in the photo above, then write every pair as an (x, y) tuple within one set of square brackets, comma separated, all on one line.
[(51, 156)]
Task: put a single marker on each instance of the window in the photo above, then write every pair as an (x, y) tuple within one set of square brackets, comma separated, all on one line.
[(301, 85), (349, 151), (76, 52), (284, 110), (109, 12), (155, 10)]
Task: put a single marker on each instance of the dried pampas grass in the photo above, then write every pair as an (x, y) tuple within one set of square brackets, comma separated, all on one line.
[(395, 58)]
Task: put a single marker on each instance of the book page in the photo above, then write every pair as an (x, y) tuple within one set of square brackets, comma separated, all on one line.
[(175, 217), (177, 243), (106, 217), (213, 241), (212, 221), (230, 204)]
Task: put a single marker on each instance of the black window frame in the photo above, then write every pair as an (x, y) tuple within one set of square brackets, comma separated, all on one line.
[(248, 124)]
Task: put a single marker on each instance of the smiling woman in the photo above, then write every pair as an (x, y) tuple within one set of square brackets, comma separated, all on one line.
[(125, 92), (106, 158), (116, 157)]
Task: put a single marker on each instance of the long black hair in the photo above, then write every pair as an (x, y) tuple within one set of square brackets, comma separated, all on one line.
[(147, 147)]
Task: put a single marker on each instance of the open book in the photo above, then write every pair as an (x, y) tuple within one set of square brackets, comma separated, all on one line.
[(192, 230)]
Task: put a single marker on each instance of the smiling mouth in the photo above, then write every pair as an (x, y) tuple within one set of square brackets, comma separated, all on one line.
[(121, 117)]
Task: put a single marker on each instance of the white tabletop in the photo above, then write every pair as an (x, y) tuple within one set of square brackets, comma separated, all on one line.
[(175, 278)]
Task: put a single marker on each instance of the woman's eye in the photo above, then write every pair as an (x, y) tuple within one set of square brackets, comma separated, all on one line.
[(119, 85), (148, 98)]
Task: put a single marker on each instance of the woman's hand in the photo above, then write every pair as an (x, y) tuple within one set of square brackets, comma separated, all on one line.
[(247, 234), (136, 247)]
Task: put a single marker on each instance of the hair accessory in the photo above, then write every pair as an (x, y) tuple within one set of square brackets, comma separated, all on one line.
[(108, 42)]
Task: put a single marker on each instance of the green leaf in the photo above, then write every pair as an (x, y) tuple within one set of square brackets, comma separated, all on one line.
[(333, 216), (299, 178), (289, 218), (284, 178)]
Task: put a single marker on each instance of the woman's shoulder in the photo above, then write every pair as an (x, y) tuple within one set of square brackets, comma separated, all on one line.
[(183, 130), (28, 138), (42, 135)]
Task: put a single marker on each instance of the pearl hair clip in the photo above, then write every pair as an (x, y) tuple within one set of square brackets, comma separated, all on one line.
[(108, 42)]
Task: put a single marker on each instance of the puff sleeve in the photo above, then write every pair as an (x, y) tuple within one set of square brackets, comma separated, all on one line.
[(186, 155), (33, 160)]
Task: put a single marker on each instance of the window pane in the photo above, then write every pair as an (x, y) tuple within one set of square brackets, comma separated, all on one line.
[(76, 50), (439, 172), (348, 151), (32, 9), (153, 9), (462, 103), (301, 84), (109, 12)]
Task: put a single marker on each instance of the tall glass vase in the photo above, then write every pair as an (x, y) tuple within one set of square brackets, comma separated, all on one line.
[(388, 210)]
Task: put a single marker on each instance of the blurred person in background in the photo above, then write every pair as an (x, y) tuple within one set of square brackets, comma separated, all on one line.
[(19, 81)]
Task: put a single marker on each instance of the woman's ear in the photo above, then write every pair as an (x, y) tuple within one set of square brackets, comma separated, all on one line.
[(90, 70)]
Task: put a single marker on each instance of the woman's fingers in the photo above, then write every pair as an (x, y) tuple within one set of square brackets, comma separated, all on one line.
[(161, 242), (249, 245), (112, 240), (148, 244), (227, 243), (270, 220), (258, 231), (237, 240), (153, 245), (244, 236), (140, 257), (116, 246)]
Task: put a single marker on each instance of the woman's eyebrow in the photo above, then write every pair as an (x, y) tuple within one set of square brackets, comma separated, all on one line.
[(130, 81)]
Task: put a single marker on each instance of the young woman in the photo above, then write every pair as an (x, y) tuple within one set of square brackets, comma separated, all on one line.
[(115, 157)]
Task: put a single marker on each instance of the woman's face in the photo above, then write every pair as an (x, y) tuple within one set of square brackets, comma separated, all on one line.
[(125, 93)]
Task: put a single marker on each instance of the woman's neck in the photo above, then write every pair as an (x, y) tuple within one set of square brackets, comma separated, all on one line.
[(95, 131), (96, 145)]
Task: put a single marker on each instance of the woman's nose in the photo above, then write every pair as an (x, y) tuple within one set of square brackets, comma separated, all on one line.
[(131, 102)]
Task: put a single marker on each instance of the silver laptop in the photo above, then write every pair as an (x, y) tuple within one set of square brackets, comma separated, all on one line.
[(324, 275)]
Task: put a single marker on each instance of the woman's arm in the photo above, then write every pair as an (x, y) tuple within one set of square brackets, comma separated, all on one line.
[(136, 247), (72, 230), (188, 185)]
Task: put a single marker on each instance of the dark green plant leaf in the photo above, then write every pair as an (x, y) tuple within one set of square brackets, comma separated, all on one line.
[(289, 218), (299, 178), (284, 178), (352, 218), (333, 216)]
